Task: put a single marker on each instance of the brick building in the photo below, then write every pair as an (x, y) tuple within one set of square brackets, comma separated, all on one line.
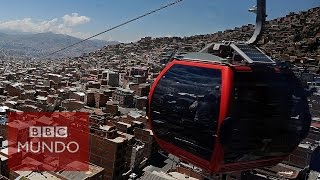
[(146, 136), (108, 150), (123, 96), (140, 102), (113, 79), (90, 99), (14, 89), (79, 96), (71, 104), (112, 107)]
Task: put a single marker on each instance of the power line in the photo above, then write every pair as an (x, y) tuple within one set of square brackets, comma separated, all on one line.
[(115, 27)]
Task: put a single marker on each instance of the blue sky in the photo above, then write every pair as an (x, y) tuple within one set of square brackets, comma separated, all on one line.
[(82, 18)]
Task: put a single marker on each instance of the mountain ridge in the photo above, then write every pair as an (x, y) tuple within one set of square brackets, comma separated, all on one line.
[(42, 44)]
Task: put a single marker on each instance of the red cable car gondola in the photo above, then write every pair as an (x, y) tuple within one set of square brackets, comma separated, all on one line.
[(226, 117), (229, 109)]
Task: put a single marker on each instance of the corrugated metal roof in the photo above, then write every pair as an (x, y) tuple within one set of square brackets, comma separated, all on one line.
[(156, 176)]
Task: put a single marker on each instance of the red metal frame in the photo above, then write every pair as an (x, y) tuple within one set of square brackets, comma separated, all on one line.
[(226, 92), (227, 77)]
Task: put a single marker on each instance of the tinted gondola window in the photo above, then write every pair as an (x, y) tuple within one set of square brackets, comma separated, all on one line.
[(185, 108), (269, 117)]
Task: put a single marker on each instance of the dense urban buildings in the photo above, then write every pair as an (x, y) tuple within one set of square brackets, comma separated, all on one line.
[(112, 85)]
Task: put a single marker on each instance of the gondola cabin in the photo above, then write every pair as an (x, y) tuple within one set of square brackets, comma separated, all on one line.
[(232, 111)]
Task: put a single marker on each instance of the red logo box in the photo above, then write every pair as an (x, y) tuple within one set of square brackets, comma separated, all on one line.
[(48, 141)]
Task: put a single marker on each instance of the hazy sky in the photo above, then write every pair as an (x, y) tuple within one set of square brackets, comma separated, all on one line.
[(82, 18)]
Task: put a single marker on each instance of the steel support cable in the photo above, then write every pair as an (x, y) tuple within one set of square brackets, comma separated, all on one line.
[(115, 27)]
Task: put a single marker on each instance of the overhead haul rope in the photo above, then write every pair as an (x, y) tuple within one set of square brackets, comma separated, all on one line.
[(115, 27)]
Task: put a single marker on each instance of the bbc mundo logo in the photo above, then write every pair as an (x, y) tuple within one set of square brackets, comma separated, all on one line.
[(48, 141), (56, 144)]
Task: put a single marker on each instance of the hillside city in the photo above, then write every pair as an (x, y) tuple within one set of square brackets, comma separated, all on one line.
[(112, 85)]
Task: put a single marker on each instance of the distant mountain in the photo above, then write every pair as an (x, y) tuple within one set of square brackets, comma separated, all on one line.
[(41, 44)]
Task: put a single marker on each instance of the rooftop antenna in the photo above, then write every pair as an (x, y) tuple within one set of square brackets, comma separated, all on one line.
[(260, 10)]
